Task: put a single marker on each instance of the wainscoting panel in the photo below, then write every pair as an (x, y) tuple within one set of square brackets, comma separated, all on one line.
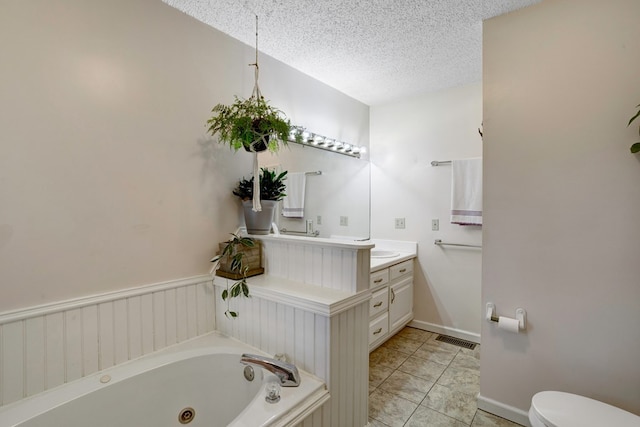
[(333, 347), (46, 346), (327, 265)]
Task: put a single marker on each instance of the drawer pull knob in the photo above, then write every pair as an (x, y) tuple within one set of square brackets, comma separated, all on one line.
[(378, 304), (377, 331), (403, 270), (377, 281)]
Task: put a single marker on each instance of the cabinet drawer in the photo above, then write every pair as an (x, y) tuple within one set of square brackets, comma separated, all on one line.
[(379, 302), (378, 328), (402, 269), (379, 278)]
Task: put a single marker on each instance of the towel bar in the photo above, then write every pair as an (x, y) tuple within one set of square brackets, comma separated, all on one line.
[(440, 162), (441, 243)]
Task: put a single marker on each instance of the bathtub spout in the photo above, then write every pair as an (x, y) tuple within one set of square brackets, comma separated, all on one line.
[(286, 372)]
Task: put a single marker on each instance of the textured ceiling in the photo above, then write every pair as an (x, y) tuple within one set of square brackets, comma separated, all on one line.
[(373, 50)]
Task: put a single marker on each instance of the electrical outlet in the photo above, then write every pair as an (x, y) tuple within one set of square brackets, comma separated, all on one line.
[(319, 220), (435, 224), (344, 221), (399, 222)]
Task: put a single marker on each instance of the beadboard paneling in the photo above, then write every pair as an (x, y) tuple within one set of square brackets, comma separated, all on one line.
[(334, 348), (47, 346), (327, 266)]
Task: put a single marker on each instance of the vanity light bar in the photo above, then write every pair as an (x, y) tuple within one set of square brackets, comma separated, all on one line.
[(310, 139)]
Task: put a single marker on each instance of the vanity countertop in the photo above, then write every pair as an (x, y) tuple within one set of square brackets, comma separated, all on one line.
[(316, 241), (404, 251), (380, 263)]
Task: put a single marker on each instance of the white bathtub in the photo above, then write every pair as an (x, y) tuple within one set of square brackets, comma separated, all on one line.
[(204, 374)]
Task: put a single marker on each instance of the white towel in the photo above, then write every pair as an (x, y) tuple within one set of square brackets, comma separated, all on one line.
[(466, 192), (293, 202)]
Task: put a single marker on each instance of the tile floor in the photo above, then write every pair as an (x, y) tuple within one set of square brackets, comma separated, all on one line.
[(415, 381)]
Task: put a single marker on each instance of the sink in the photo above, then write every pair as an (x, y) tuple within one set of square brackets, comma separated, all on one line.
[(379, 253)]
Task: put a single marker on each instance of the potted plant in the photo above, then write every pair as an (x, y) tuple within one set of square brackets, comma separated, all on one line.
[(635, 148), (272, 189), (250, 123), (237, 260)]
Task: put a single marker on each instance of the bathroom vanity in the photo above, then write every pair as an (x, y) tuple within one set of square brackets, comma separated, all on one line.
[(391, 284)]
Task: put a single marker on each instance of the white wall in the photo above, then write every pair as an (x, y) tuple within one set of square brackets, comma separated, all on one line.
[(107, 177), (405, 137), (561, 202)]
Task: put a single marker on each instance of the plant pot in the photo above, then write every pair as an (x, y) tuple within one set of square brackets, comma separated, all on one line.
[(259, 222), (261, 144), (258, 146), (252, 259)]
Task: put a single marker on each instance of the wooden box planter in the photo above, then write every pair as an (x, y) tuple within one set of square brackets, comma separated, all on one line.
[(252, 258)]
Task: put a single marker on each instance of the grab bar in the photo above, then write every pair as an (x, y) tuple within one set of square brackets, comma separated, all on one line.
[(441, 243)]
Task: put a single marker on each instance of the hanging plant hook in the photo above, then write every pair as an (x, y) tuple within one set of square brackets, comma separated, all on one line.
[(251, 124), (256, 88)]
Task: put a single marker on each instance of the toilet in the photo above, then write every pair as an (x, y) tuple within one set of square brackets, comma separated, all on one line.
[(559, 409)]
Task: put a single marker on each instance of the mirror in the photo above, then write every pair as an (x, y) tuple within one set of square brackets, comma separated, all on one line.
[(337, 192)]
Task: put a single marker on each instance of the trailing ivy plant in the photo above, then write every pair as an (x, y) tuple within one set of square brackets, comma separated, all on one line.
[(237, 266), (635, 148)]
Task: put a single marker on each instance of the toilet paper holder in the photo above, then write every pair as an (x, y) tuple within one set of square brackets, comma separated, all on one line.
[(521, 316)]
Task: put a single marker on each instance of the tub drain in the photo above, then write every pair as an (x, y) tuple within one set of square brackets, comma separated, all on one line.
[(249, 374), (187, 415)]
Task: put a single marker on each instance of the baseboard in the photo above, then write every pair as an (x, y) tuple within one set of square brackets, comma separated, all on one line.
[(445, 330), (505, 411)]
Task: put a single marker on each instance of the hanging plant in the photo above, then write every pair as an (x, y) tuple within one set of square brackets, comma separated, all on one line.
[(251, 124), (635, 148)]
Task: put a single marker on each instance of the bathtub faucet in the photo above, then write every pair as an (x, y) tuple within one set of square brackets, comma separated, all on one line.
[(286, 372)]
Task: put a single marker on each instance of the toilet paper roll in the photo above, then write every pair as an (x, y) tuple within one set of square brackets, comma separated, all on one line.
[(508, 324)]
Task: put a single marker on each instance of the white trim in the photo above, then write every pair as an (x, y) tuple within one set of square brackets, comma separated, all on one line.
[(314, 299), (446, 330), (502, 410), (315, 241), (311, 306), (75, 303), (315, 401)]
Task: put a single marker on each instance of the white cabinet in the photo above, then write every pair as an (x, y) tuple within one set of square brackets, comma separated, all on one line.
[(400, 304), (391, 304)]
